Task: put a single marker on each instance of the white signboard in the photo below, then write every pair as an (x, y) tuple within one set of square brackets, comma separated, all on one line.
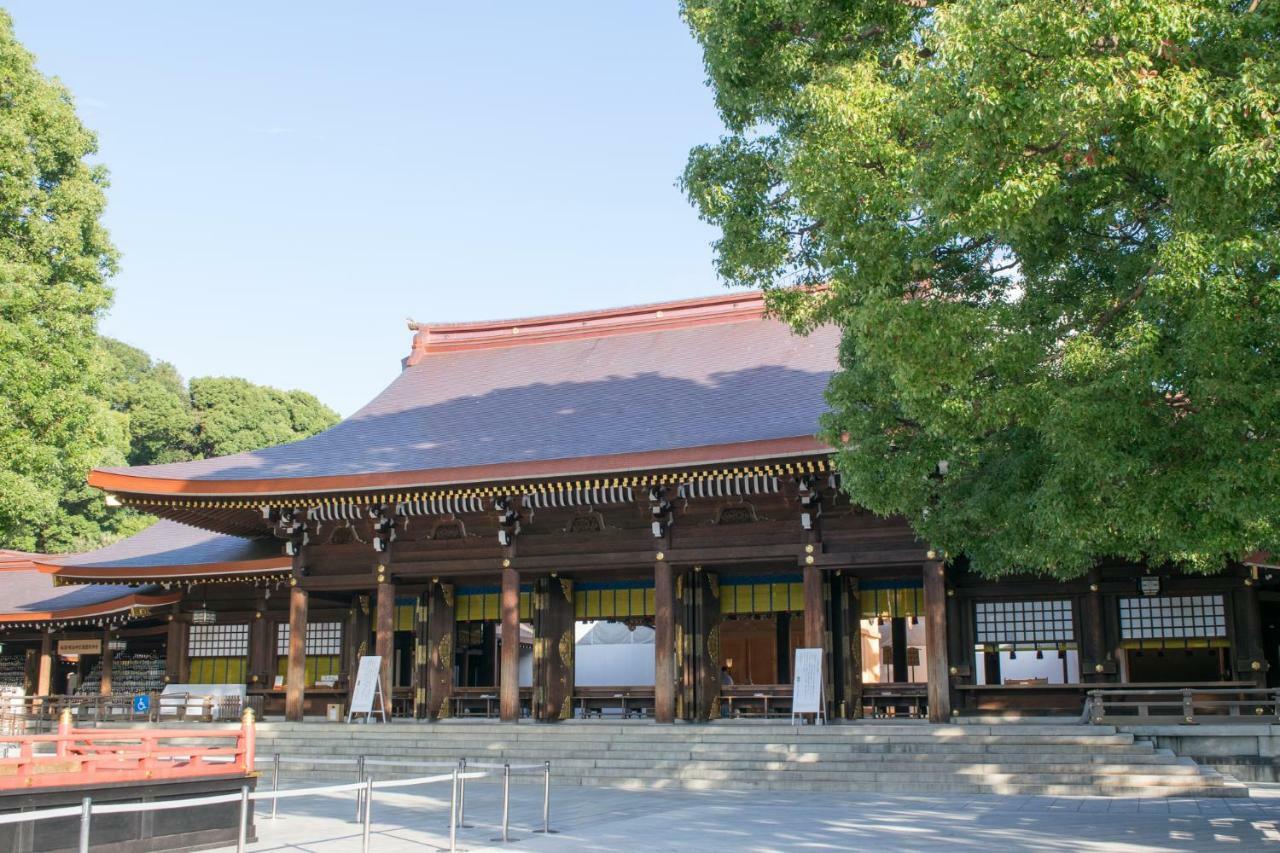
[(368, 684), (806, 684)]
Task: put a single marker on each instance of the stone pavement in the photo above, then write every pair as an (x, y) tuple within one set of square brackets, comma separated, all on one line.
[(590, 818)]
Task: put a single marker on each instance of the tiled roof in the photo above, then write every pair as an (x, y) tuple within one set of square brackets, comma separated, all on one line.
[(168, 545), (28, 593), (600, 386)]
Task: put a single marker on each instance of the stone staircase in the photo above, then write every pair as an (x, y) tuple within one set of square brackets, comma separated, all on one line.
[(877, 756)]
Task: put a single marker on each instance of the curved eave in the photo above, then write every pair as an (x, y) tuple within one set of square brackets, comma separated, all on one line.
[(238, 569), (92, 611), (653, 460)]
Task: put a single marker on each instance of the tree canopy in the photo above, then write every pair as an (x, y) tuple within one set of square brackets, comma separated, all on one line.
[(69, 399), (1049, 234), (55, 258)]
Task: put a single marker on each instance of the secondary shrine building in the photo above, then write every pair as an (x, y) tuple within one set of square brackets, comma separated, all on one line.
[(614, 512)]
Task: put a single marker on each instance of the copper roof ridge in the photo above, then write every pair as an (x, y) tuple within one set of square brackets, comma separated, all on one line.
[(435, 338)]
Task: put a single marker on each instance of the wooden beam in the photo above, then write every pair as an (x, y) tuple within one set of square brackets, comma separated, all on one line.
[(664, 644), (295, 679), (509, 673), (104, 688), (384, 638), (935, 640)]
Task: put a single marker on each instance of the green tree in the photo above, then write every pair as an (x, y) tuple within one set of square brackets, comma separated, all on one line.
[(154, 401), (234, 415), (1050, 234), (55, 258)]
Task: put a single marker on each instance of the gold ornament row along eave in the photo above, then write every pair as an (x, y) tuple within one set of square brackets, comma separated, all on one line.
[(170, 581), (811, 466)]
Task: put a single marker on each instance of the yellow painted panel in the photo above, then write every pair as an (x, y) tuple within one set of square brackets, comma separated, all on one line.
[(491, 611), (637, 602), (580, 605), (796, 591), (404, 617), (650, 602)]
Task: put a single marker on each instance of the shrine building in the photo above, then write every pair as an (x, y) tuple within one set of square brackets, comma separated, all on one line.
[(620, 512)]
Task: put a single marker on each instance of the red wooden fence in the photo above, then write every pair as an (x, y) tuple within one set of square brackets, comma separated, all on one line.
[(97, 756)]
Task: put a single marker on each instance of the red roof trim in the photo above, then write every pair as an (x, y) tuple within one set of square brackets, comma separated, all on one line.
[(436, 338), (100, 609), (746, 451)]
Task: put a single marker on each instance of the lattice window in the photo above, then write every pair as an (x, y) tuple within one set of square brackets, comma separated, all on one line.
[(1024, 622), (323, 638), (1175, 616), (218, 641)]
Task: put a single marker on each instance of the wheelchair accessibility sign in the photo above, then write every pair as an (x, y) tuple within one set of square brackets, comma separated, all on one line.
[(141, 704)]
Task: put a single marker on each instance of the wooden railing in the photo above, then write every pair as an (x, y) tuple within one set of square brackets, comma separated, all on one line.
[(99, 756), (1184, 706), (25, 715)]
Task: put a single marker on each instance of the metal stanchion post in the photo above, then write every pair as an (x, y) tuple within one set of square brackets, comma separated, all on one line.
[(546, 800), (86, 811), (244, 819), (368, 810), (506, 803), (462, 793), (359, 791), (275, 783), (453, 814)]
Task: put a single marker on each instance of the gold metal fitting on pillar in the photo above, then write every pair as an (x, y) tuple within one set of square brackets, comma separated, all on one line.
[(659, 556), (506, 564), (808, 561), (932, 554), (808, 549)]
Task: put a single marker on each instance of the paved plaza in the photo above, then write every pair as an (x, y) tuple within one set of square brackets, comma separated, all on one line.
[(590, 818)]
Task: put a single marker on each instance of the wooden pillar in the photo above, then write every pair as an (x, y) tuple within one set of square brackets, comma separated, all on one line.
[(935, 627), (177, 665), (700, 645), (262, 668), (553, 649), (1251, 659), (384, 637), (664, 644), (509, 671), (356, 641), (1095, 664), (815, 615), (44, 678), (105, 687), (296, 673), (437, 637), (850, 640)]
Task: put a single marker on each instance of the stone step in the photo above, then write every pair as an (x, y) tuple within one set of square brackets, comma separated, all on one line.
[(357, 747), (397, 740), (1054, 760)]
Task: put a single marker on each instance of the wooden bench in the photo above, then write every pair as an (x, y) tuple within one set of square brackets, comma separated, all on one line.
[(621, 701), (756, 700), (886, 700)]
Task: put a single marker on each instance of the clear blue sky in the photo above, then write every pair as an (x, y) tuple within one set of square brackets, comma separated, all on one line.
[(290, 181)]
